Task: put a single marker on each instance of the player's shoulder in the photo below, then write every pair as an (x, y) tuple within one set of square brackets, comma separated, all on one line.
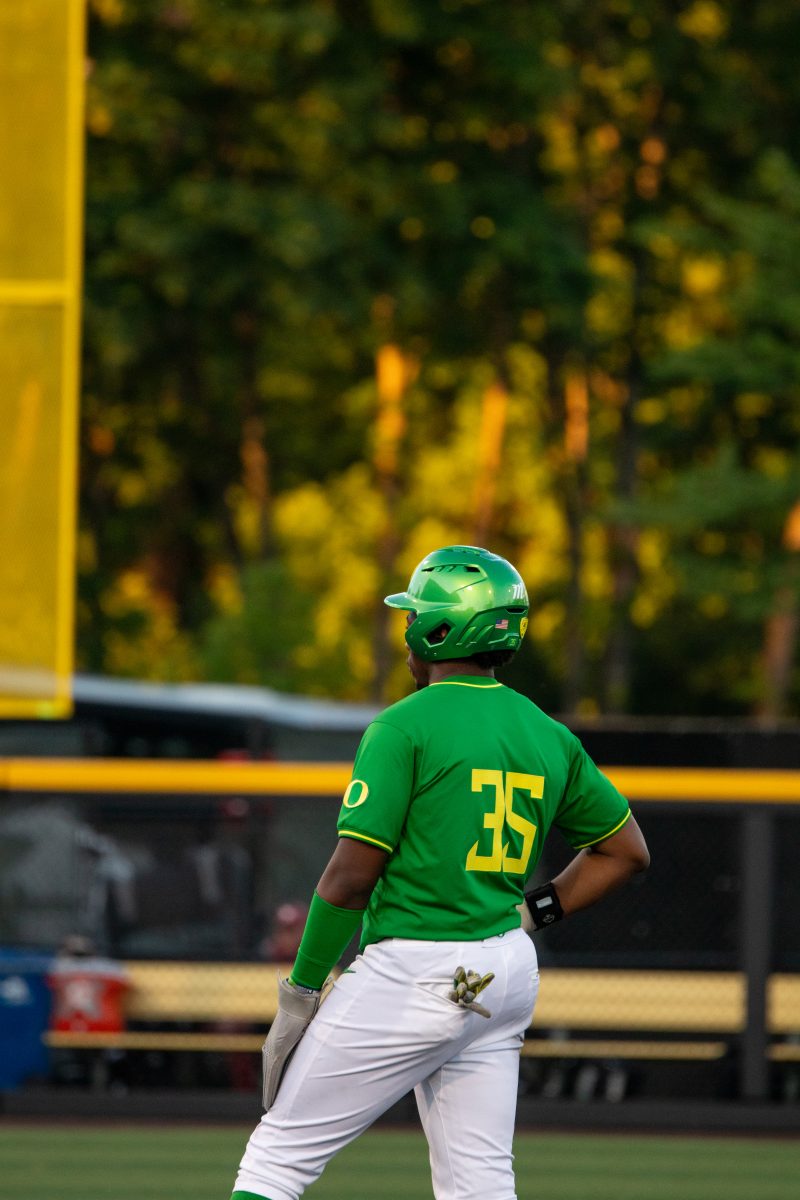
[(413, 715), (403, 713), (398, 717), (533, 713)]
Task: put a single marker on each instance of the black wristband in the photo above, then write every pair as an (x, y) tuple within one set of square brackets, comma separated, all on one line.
[(544, 906)]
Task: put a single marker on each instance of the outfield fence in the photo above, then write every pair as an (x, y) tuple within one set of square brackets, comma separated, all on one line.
[(196, 876)]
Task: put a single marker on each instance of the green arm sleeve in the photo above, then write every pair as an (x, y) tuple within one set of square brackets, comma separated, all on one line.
[(325, 937)]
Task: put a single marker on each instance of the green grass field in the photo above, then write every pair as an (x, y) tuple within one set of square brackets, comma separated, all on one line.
[(96, 1162)]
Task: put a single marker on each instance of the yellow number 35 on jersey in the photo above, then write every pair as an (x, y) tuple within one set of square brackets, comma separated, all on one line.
[(501, 816)]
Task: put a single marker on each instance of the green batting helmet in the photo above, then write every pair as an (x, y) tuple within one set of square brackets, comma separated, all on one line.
[(478, 596)]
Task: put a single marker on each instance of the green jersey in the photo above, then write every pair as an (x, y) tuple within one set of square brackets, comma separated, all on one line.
[(460, 783)]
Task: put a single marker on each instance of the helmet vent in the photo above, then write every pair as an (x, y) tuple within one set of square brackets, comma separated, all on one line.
[(449, 567), (516, 608)]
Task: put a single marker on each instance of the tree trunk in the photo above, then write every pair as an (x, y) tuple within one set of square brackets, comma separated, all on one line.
[(622, 545), (781, 632), (494, 412), (576, 448), (394, 371)]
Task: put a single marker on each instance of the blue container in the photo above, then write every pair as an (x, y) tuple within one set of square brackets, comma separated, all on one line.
[(24, 1013)]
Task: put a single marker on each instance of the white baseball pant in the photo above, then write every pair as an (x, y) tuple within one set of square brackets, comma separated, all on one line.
[(388, 1027)]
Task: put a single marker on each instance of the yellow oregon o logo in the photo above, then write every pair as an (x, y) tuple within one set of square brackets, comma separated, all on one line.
[(523, 625), (347, 802)]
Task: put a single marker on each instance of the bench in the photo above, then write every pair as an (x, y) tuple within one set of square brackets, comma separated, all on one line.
[(188, 992), (581, 1014), (692, 1015)]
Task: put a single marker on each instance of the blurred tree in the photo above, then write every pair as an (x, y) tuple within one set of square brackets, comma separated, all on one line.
[(654, 132), (363, 278), (734, 483), (278, 196)]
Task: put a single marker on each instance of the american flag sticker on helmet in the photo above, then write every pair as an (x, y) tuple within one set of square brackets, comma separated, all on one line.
[(502, 624)]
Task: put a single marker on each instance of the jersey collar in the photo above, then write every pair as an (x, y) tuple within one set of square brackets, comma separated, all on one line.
[(481, 681)]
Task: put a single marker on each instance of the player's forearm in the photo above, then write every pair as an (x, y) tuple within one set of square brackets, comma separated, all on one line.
[(351, 874), (601, 869), (336, 910), (591, 876), (344, 889)]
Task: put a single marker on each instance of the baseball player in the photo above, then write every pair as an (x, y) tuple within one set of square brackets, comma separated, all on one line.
[(454, 790)]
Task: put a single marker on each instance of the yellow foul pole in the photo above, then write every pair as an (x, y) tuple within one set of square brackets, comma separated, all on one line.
[(42, 68)]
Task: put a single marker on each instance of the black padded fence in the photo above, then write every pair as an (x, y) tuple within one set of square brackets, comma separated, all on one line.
[(702, 953)]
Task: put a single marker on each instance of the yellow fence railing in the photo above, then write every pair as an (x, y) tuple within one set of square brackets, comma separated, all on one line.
[(178, 777)]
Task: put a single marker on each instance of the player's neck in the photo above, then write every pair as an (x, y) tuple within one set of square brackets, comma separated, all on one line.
[(445, 670)]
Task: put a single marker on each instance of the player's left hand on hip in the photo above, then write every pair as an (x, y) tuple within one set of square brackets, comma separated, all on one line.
[(466, 986), (296, 1009)]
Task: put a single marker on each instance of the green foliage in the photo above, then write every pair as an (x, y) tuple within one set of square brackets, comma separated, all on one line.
[(589, 208), (253, 641)]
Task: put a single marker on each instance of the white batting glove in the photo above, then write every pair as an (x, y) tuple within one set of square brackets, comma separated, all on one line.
[(466, 986), (296, 1009)]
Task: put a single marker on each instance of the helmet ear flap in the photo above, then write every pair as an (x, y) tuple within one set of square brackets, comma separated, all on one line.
[(427, 634), (438, 635)]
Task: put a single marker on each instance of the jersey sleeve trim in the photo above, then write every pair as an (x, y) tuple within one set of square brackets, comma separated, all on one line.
[(603, 836), (362, 837)]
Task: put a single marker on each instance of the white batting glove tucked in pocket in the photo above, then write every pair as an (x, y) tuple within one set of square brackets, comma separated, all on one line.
[(297, 1008), (466, 986)]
